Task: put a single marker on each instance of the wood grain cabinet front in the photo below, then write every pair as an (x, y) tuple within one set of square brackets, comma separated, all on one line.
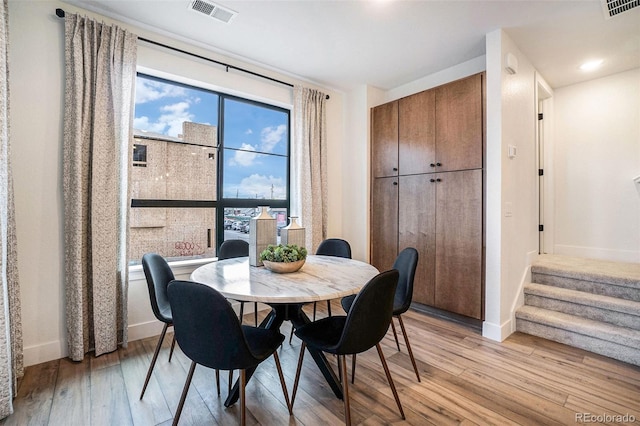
[(427, 192)]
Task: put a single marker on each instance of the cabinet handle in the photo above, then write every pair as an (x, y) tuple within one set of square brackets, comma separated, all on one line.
[(438, 180), (395, 183), (432, 165), (438, 164), (395, 169), (432, 180)]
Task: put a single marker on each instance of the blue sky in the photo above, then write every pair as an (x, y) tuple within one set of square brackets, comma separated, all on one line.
[(255, 133)]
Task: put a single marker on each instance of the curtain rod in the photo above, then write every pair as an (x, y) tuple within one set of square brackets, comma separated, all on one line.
[(60, 14)]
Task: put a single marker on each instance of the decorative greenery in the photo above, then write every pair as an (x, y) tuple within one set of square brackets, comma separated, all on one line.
[(283, 253)]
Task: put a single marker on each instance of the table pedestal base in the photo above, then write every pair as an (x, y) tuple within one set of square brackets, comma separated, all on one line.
[(273, 321)]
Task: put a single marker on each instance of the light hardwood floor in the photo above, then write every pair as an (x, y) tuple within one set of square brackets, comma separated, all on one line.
[(466, 379)]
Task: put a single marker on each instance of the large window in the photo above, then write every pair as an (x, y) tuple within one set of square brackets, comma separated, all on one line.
[(202, 163)]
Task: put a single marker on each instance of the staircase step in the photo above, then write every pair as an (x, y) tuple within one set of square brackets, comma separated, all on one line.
[(613, 279), (621, 312), (620, 343)]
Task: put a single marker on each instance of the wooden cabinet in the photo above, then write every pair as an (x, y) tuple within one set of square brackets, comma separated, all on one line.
[(416, 228), (433, 199), (417, 133), (384, 133), (384, 222), (458, 233), (459, 125)]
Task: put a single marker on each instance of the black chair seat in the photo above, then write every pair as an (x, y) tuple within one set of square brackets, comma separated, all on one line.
[(323, 334), (261, 341)]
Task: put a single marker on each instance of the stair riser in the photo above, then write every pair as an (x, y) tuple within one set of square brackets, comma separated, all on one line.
[(590, 312), (604, 289), (627, 354)]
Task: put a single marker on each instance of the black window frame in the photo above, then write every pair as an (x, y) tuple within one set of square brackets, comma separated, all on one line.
[(220, 203)]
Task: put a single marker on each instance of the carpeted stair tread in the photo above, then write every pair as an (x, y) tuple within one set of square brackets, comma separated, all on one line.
[(602, 271), (583, 298), (619, 335)]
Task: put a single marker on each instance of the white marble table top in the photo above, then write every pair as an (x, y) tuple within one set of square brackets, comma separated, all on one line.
[(321, 278)]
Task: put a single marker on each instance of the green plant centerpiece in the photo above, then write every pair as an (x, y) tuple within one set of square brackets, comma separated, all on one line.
[(283, 258)]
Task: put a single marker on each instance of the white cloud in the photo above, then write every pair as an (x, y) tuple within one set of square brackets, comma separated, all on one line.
[(149, 90), (169, 123), (271, 136), (244, 158), (142, 123), (261, 186), (248, 132)]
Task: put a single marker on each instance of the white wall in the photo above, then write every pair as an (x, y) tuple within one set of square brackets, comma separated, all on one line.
[(37, 96), (512, 205), (597, 154)]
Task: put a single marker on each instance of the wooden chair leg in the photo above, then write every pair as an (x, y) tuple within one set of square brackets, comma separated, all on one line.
[(282, 382), (406, 342), (183, 397), (154, 359), (243, 413), (345, 390), (353, 368), (390, 380), (395, 335), (295, 382)]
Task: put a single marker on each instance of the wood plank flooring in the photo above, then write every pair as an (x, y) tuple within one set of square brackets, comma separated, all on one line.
[(466, 379)]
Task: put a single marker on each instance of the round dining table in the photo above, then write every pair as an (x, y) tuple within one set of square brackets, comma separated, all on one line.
[(320, 278)]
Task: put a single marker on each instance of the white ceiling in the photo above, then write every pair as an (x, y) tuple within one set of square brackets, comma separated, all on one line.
[(387, 43)]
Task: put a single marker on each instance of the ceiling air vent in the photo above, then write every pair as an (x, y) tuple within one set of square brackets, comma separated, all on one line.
[(612, 8), (214, 10)]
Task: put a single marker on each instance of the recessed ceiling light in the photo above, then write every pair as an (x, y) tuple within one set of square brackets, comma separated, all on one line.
[(591, 65)]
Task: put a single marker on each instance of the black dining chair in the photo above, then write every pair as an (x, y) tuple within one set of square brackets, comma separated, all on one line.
[(406, 264), (330, 247), (158, 275), (362, 328), (230, 249), (210, 334)]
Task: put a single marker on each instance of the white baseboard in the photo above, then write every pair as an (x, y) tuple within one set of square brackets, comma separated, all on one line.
[(496, 332), (50, 351), (44, 352)]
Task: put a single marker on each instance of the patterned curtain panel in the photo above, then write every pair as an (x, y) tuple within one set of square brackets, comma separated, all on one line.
[(11, 366), (100, 73), (309, 152)]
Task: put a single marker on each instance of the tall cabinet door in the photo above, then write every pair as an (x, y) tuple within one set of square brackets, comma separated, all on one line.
[(384, 142), (459, 124), (416, 228), (417, 133), (384, 222), (459, 242)]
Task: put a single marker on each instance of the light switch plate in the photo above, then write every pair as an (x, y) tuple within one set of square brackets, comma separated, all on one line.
[(513, 151)]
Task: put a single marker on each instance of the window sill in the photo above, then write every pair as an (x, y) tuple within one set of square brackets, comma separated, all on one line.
[(180, 267)]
